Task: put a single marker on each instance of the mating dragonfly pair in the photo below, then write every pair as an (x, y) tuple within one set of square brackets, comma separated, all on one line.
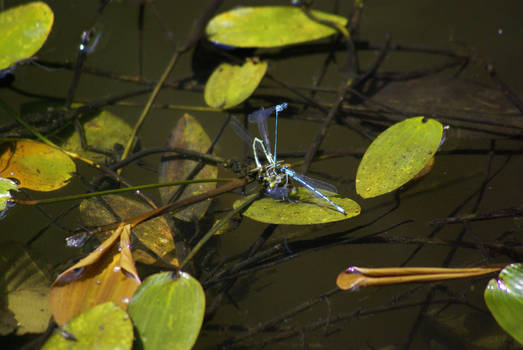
[(275, 174)]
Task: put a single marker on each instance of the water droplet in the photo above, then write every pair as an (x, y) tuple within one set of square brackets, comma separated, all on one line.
[(125, 300), (98, 282), (500, 31), (117, 268), (138, 192)]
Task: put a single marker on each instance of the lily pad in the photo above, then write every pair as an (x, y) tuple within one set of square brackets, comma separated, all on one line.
[(167, 311), (24, 30), (6, 186), (504, 298), (302, 209), (105, 326), (397, 155), (187, 134), (103, 130), (154, 234), (36, 165), (229, 85), (269, 26), (25, 288)]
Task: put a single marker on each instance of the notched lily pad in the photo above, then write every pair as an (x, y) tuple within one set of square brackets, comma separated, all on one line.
[(397, 155), (167, 311), (229, 85), (36, 165), (24, 30), (302, 209), (105, 326), (269, 26), (154, 234), (504, 298)]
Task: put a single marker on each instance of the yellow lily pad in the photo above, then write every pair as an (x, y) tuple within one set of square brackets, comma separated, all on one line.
[(24, 30), (397, 155), (269, 26), (302, 209), (36, 165), (229, 85)]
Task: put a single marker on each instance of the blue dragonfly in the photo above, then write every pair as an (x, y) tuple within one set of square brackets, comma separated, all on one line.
[(275, 175)]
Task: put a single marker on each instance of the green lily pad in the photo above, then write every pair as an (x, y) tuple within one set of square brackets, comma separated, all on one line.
[(103, 130), (269, 26), (187, 134), (302, 209), (504, 298), (6, 185), (24, 30), (36, 166), (105, 326), (229, 85), (25, 288), (397, 155), (167, 311)]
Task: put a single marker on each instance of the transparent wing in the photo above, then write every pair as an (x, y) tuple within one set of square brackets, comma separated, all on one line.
[(315, 183), (238, 128), (260, 118)]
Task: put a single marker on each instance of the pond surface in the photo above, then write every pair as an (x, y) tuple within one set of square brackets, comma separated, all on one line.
[(287, 299)]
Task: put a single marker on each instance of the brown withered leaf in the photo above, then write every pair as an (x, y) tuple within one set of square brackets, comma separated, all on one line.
[(187, 134), (356, 277), (97, 278), (155, 234)]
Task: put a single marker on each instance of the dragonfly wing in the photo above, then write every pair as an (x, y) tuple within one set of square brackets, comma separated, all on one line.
[(238, 128), (318, 183)]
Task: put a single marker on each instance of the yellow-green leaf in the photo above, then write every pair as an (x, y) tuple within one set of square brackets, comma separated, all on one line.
[(6, 186), (105, 326), (397, 155), (187, 134), (104, 130), (229, 85), (504, 298), (36, 165), (269, 26), (24, 30), (302, 209), (167, 311)]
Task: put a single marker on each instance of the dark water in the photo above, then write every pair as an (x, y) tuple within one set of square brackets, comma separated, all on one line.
[(382, 318)]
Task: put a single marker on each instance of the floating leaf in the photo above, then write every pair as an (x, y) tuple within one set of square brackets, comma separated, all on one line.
[(24, 30), (397, 155), (153, 234), (167, 311), (229, 85), (104, 326), (187, 134), (36, 165), (504, 298), (6, 186), (269, 26), (104, 275), (356, 277), (104, 131), (302, 209), (24, 287)]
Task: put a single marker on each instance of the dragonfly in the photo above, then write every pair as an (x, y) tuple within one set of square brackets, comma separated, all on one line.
[(275, 174)]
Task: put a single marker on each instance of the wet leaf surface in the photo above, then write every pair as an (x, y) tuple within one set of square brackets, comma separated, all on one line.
[(229, 85), (104, 326), (187, 134), (25, 288), (167, 311), (24, 30), (99, 277), (36, 166), (397, 155), (302, 209), (269, 26), (504, 298), (153, 235)]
